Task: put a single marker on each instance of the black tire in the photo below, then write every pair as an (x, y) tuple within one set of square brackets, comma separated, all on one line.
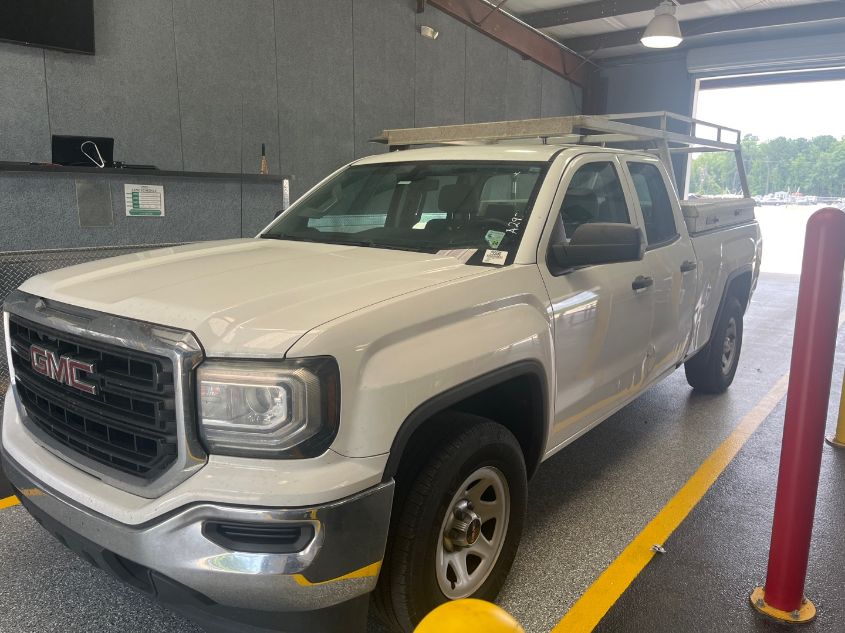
[(711, 371), (408, 584)]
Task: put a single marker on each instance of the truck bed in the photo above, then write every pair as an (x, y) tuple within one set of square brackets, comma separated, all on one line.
[(722, 251)]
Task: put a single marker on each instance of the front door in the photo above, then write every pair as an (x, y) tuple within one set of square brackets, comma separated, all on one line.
[(601, 320)]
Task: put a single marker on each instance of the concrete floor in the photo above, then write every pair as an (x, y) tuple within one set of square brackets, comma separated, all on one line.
[(720, 552), (585, 505)]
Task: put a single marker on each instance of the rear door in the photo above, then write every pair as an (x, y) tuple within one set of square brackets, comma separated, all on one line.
[(601, 323), (670, 258)]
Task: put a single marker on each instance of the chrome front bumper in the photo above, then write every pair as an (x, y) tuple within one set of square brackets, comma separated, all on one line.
[(340, 563)]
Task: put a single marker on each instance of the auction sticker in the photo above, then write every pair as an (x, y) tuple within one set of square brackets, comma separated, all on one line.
[(495, 257), (494, 238)]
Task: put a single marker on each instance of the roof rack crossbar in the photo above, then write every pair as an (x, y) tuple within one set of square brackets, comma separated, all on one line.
[(579, 129)]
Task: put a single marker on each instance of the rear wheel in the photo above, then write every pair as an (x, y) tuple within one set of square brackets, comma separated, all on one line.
[(712, 370), (458, 525)]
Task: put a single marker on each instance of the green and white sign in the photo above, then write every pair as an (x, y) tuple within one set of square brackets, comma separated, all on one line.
[(144, 200)]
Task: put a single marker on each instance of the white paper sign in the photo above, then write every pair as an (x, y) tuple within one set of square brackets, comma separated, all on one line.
[(495, 257), (144, 200)]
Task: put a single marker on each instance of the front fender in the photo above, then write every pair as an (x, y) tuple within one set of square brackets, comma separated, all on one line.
[(396, 355)]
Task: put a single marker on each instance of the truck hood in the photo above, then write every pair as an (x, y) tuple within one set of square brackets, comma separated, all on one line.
[(248, 297)]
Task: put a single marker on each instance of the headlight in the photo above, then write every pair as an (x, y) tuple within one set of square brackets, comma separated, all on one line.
[(269, 409)]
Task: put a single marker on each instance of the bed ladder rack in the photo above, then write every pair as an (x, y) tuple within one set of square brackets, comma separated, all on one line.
[(664, 133)]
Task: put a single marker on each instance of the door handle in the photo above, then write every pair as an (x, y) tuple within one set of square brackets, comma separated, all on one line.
[(687, 266), (642, 282)]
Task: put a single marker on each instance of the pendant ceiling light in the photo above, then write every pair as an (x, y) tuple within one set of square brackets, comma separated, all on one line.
[(663, 31)]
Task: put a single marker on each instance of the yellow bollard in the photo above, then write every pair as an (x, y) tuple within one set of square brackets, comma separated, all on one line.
[(468, 616), (838, 438)]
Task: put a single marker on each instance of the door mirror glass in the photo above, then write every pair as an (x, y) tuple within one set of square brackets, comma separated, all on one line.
[(600, 243)]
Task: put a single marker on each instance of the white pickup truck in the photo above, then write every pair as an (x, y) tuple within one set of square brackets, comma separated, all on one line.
[(263, 432)]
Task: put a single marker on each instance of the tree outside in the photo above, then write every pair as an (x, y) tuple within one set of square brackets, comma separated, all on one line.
[(815, 167)]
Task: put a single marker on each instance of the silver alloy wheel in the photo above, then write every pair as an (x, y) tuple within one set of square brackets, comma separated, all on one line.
[(729, 347), (472, 533)]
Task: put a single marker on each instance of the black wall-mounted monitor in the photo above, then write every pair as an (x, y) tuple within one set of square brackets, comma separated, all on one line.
[(66, 25)]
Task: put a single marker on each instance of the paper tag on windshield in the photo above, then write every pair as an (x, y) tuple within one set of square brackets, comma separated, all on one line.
[(494, 238), (495, 257)]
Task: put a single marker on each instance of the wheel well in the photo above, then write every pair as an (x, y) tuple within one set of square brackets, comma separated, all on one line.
[(740, 288), (516, 402)]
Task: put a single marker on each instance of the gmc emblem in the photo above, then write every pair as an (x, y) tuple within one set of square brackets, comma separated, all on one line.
[(62, 369)]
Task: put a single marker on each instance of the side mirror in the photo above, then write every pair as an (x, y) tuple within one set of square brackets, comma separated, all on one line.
[(600, 243)]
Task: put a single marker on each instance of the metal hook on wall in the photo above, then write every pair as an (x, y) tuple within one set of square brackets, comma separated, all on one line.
[(99, 163)]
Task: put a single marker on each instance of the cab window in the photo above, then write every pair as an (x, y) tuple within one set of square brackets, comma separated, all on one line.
[(594, 195), (655, 204)]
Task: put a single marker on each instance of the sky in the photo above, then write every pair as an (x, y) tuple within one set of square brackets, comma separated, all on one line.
[(791, 110)]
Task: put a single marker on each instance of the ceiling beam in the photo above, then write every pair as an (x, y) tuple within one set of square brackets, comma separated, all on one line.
[(518, 36), (590, 11), (727, 23)]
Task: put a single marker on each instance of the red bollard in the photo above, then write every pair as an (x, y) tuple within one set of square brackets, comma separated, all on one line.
[(813, 347)]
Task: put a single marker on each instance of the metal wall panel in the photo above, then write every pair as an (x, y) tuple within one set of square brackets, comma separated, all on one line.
[(440, 71), (128, 89), (522, 98), (315, 91), (486, 78), (558, 97), (226, 60), (24, 129), (649, 86), (384, 44)]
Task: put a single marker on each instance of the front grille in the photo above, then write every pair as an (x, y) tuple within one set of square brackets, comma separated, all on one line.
[(128, 425)]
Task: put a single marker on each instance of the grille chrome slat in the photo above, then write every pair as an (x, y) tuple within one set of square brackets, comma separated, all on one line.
[(90, 412), (164, 422), (128, 460)]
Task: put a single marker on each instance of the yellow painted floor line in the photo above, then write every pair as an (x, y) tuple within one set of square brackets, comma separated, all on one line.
[(8, 502), (606, 590)]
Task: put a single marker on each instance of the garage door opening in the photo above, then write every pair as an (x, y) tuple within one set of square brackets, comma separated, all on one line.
[(794, 154)]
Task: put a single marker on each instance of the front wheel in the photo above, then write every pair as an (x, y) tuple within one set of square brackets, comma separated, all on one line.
[(712, 370), (458, 525)]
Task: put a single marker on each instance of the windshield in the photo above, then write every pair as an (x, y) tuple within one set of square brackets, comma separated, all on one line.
[(428, 207)]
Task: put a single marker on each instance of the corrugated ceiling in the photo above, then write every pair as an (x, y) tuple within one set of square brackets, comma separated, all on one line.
[(641, 19)]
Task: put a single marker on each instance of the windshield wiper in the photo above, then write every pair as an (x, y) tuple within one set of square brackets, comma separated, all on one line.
[(361, 243), (284, 236), (387, 245), (413, 249), (318, 240)]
